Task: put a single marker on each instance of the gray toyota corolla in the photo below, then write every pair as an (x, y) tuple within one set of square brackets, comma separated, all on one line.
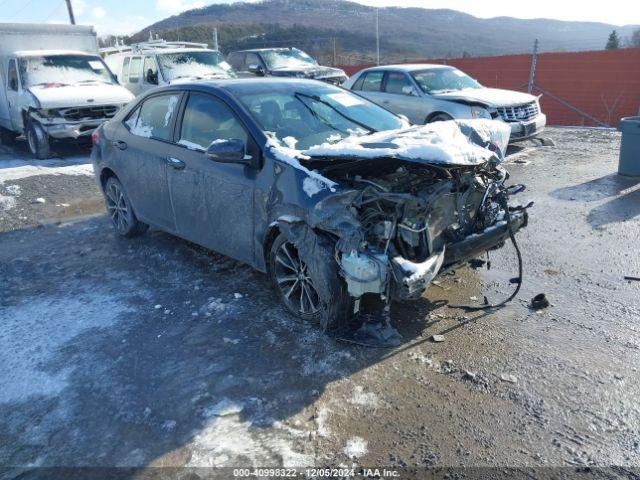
[(341, 202)]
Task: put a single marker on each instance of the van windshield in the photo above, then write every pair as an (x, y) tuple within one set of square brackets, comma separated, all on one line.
[(60, 70), (201, 64)]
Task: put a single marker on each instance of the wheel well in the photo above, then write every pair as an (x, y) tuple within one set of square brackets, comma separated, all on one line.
[(105, 175), (434, 115), (269, 238)]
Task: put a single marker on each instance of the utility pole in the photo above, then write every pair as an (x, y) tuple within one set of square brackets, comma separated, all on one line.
[(334, 52), (532, 71), (72, 19), (377, 37), (214, 45)]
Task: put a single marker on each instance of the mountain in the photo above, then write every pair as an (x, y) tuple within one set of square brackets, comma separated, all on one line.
[(404, 32)]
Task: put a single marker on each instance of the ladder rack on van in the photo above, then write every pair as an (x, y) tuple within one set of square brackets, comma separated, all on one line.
[(150, 45)]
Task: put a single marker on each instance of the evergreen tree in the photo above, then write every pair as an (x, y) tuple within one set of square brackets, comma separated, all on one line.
[(614, 41)]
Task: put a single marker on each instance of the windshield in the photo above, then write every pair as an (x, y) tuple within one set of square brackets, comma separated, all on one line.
[(60, 70), (201, 64), (442, 80), (313, 116), (279, 59)]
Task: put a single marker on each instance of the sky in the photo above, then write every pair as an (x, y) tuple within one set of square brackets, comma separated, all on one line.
[(129, 16)]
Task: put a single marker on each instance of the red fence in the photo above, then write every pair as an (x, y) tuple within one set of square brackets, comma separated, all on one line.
[(578, 88)]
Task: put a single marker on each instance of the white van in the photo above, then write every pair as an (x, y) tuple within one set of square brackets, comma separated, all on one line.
[(63, 91), (142, 66)]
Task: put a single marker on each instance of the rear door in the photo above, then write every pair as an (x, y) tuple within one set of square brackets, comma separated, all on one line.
[(213, 202), (370, 86), (141, 145)]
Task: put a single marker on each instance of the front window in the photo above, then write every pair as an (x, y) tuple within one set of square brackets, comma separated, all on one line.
[(200, 64), (443, 80), (309, 117), (62, 70), (287, 59)]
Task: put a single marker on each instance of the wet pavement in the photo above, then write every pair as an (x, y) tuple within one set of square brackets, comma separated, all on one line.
[(155, 352)]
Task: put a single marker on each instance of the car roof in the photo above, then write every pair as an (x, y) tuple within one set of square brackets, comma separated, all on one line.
[(256, 50), (407, 67), (250, 85), (45, 53)]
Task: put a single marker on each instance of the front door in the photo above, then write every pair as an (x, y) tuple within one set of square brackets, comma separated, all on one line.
[(213, 202), (13, 96), (397, 99), (144, 140)]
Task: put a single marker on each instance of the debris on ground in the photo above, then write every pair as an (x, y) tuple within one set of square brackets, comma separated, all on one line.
[(630, 278), (539, 302), (437, 338), (508, 378), (39, 200)]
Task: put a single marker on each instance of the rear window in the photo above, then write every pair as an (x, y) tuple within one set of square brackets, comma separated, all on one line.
[(153, 119)]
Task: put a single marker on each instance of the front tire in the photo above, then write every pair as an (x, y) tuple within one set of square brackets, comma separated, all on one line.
[(38, 140), (119, 209), (294, 283)]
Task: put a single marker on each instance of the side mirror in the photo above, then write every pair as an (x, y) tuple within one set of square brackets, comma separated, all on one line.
[(409, 90), (257, 69), (229, 151)]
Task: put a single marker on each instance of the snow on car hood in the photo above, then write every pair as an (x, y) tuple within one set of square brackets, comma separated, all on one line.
[(455, 142), (491, 97), (80, 95)]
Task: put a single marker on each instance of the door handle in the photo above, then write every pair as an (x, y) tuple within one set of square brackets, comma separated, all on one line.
[(175, 163), (120, 144)]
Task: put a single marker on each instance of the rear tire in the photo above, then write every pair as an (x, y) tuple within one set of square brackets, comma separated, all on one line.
[(38, 140), (292, 281), (441, 117), (120, 211)]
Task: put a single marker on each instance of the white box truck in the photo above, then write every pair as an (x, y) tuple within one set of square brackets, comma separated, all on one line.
[(53, 84)]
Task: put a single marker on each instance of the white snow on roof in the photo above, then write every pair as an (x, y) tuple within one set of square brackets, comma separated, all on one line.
[(41, 53), (440, 143)]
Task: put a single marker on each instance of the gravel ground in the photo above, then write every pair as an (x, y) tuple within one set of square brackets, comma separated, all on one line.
[(154, 352)]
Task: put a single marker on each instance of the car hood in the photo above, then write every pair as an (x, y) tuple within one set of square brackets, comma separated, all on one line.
[(80, 95), (455, 143), (310, 72), (491, 97)]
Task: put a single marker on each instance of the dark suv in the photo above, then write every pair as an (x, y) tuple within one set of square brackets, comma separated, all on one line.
[(282, 62), (333, 196)]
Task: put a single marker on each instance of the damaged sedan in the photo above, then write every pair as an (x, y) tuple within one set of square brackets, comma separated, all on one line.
[(344, 204)]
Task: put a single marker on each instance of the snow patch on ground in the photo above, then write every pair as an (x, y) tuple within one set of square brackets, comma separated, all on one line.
[(223, 408), (33, 331), (17, 169), (362, 398), (327, 364), (356, 447), (229, 441), (7, 202)]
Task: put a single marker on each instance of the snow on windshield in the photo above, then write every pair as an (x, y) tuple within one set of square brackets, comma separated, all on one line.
[(203, 64), (277, 59), (440, 80), (451, 143), (63, 70)]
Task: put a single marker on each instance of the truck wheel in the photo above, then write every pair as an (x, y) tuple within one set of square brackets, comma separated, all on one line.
[(119, 209), (38, 140), (298, 291), (7, 137)]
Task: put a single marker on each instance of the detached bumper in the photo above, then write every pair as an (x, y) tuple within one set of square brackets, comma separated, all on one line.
[(521, 131), (474, 245)]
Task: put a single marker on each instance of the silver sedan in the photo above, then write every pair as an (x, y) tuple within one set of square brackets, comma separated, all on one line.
[(427, 93)]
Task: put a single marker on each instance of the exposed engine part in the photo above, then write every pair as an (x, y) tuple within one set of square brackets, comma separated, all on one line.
[(364, 273)]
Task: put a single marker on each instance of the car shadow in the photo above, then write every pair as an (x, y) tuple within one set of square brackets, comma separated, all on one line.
[(596, 189), (60, 151), (153, 351)]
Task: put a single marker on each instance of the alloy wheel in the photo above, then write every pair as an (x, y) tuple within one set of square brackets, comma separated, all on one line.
[(294, 282), (117, 207)]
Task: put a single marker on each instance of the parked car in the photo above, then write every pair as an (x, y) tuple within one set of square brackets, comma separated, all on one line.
[(282, 62), (333, 196), (63, 92), (429, 93), (146, 65)]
